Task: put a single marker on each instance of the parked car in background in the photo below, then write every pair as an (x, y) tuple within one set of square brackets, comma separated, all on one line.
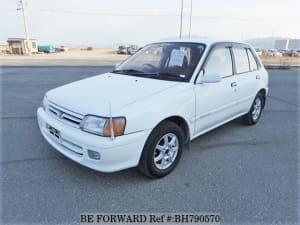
[(295, 53), (268, 53), (277, 54), (143, 112), (122, 49), (46, 48), (132, 49), (64, 48), (273, 52), (258, 51), (283, 52)]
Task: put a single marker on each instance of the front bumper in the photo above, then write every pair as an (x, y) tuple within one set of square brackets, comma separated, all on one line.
[(117, 154)]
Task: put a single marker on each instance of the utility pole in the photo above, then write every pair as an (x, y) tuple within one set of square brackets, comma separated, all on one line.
[(191, 12), (181, 15), (22, 7), (273, 39)]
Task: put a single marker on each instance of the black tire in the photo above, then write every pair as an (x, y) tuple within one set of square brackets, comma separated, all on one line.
[(250, 118), (147, 166)]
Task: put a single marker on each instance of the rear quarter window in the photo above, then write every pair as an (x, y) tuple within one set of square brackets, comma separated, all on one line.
[(252, 61)]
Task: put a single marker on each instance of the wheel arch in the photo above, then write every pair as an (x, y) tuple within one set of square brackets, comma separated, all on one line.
[(181, 122), (263, 91)]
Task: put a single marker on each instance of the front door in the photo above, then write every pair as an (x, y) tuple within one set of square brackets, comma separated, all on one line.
[(216, 102)]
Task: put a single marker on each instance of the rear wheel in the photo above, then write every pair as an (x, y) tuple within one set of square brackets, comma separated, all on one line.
[(162, 150), (255, 111)]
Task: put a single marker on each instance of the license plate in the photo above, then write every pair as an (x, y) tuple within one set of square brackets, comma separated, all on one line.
[(53, 131)]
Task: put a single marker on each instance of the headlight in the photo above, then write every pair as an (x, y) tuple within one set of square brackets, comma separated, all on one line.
[(45, 102), (102, 125)]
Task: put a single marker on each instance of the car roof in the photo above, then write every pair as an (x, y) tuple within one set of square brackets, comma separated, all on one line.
[(205, 41)]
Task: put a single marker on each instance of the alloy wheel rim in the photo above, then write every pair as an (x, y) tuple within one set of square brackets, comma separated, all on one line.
[(256, 109), (166, 151)]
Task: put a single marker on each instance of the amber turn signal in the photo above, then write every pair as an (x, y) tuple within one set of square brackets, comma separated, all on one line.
[(117, 128)]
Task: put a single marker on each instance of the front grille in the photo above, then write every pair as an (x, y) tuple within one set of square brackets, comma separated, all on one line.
[(64, 115)]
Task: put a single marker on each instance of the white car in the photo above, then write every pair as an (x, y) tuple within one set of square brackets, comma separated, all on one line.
[(164, 96), (274, 53)]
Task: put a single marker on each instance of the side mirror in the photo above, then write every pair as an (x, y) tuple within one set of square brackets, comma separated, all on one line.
[(208, 78), (211, 78)]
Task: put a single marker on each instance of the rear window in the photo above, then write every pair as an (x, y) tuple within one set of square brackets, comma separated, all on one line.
[(241, 60)]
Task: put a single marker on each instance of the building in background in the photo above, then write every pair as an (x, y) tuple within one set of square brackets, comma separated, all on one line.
[(294, 44), (4, 48), (282, 44), (287, 44), (22, 46)]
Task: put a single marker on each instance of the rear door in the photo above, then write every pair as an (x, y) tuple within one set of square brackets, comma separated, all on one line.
[(247, 77)]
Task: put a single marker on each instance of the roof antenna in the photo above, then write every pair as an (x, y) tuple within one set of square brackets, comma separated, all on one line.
[(112, 135)]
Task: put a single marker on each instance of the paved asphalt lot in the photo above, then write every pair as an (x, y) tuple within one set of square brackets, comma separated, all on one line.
[(247, 174)]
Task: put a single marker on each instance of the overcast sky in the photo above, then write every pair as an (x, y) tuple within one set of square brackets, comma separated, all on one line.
[(107, 23)]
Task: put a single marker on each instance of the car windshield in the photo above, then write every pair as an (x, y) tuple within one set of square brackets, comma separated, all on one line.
[(168, 61)]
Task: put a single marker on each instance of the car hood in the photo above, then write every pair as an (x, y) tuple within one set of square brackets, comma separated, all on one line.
[(93, 95)]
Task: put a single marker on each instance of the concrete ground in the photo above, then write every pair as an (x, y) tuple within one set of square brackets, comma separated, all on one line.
[(247, 174)]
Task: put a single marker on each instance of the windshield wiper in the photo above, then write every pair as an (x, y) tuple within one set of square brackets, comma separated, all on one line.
[(134, 72), (157, 74), (172, 75), (129, 71)]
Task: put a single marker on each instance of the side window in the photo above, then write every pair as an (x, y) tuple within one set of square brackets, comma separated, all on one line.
[(252, 61), (241, 60), (219, 62)]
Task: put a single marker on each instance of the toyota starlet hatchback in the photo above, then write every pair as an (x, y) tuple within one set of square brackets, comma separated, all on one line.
[(143, 112)]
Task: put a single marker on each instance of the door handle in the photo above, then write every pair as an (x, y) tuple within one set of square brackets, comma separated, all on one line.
[(233, 84), (257, 77)]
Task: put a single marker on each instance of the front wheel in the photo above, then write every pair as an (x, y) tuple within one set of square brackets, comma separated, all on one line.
[(255, 111), (162, 150)]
